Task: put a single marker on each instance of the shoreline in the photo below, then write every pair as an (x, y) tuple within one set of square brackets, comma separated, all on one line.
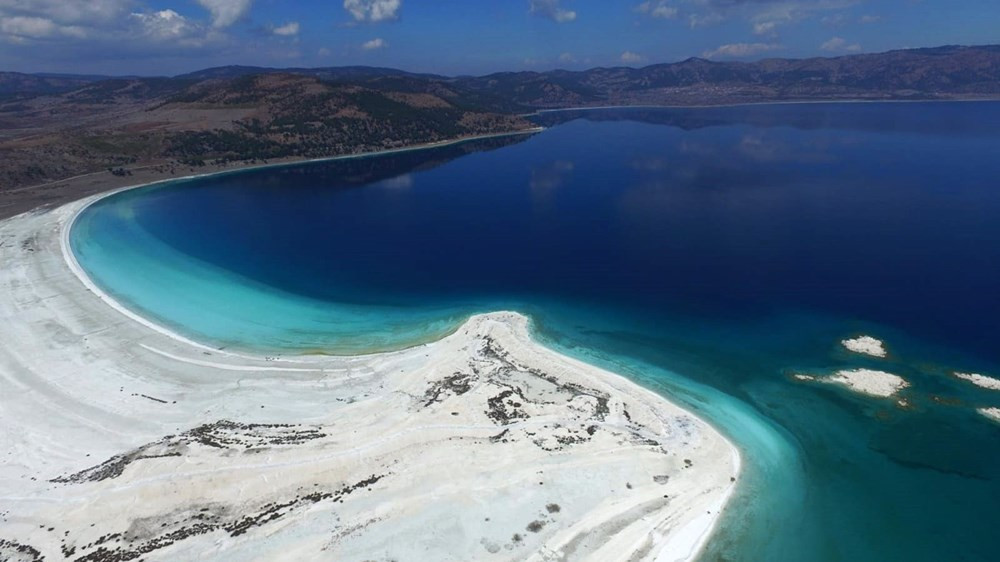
[(89, 200), (84, 185), (756, 103), (82, 181), (121, 341)]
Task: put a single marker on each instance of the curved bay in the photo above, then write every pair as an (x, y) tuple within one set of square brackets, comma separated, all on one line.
[(707, 253)]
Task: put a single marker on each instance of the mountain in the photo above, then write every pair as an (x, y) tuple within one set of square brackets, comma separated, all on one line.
[(933, 73), (333, 73), (188, 123), (55, 126), (291, 115), (20, 83), (938, 73)]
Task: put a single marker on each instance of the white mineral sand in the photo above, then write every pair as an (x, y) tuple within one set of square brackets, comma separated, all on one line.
[(980, 380), (118, 438), (866, 345)]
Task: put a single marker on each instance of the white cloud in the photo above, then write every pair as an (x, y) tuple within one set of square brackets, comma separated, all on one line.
[(226, 12), (552, 10), (67, 12), (170, 27), (165, 24), (764, 16), (739, 50), (289, 29), (374, 44), (23, 26), (839, 44), (867, 18), (659, 9), (765, 27), (373, 10), (786, 12), (103, 19), (567, 57), (324, 52), (834, 20), (102, 32), (22, 21), (704, 20), (628, 57)]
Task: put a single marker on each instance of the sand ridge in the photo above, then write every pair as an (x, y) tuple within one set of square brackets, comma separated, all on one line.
[(121, 440)]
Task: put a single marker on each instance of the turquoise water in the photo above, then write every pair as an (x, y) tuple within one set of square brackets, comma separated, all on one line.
[(707, 254)]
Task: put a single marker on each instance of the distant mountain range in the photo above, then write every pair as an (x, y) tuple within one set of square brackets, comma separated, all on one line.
[(56, 126), (20, 83), (932, 73)]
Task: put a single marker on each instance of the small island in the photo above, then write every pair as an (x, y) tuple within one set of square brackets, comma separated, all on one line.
[(869, 382), (981, 381), (991, 413), (866, 345)]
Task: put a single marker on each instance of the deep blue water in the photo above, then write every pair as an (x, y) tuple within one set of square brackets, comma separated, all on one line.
[(707, 253)]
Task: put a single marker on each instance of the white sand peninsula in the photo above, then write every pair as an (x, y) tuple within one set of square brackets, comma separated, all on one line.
[(120, 441), (865, 345), (980, 380)]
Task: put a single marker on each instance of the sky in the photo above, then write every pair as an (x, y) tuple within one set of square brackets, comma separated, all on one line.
[(168, 37)]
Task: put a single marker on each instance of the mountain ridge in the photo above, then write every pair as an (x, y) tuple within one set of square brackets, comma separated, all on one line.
[(59, 126), (925, 71)]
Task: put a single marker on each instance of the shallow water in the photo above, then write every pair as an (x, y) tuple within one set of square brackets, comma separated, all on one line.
[(706, 253)]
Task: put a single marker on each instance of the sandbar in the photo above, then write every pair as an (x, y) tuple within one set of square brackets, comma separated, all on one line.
[(121, 439)]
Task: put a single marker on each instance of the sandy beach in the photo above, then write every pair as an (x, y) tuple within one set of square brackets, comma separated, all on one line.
[(123, 440)]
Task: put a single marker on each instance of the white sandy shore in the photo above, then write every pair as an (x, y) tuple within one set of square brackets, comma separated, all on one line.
[(864, 381), (980, 380), (119, 439), (866, 345)]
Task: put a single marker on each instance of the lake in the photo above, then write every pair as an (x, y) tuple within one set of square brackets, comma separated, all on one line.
[(708, 254)]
